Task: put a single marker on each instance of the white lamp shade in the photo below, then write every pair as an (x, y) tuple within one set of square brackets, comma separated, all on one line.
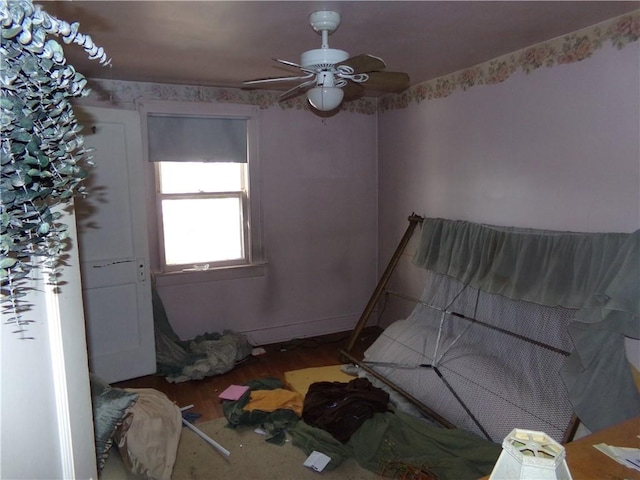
[(325, 98), (528, 454)]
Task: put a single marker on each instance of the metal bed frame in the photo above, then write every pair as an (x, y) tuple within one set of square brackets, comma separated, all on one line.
[(381, 288)]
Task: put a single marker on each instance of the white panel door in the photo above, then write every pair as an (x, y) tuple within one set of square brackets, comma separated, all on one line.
[(112, 235)]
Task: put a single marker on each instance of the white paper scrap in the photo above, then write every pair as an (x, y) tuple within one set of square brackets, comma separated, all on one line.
[(317, 461), (629, 457)]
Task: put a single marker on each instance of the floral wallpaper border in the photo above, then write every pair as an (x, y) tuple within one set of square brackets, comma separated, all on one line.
[(122, 93), (570, 48)]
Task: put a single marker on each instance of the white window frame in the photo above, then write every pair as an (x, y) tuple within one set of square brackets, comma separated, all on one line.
[(241, 195), (252, 225)]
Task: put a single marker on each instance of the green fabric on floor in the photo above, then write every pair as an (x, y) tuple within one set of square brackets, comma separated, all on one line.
[(390, 438), (274, 423)]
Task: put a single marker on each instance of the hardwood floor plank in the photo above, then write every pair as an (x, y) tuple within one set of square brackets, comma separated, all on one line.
[(278, 359)]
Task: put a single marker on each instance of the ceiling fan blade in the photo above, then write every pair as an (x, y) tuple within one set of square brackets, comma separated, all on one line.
[(353, 90), (277, 79), (388, 82), (287, 62), (294, 65), (364, 63), (297, 90)]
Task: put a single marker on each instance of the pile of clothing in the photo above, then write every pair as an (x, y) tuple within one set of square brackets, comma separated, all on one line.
[(355, 420), (342, 408), (267, 405), (203, 356)]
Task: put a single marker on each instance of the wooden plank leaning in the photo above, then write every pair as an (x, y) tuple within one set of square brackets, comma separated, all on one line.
[(414, 220)]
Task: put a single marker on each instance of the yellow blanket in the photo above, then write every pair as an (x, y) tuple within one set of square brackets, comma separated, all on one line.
[(271, 400)]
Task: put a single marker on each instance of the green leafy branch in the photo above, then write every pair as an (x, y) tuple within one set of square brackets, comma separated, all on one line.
[(41, 150)]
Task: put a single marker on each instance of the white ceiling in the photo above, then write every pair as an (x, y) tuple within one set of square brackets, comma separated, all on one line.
[(222, 43)]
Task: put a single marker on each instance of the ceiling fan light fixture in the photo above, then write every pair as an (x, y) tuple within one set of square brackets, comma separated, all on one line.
[(325, 99), (323, 58), (324, 20), (334, 70)]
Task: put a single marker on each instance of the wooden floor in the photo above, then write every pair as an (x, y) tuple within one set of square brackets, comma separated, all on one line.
[(279, 358)]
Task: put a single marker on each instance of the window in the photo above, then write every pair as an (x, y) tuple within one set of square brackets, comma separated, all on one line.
[(202, 207), (204, 166)]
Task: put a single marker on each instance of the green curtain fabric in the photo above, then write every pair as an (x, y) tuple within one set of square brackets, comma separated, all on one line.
[(598, 274)]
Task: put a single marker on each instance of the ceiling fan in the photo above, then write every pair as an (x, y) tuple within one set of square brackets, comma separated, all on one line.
[(329, 75)]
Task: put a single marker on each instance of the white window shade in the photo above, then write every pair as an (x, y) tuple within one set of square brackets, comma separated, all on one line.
[(196, 139)]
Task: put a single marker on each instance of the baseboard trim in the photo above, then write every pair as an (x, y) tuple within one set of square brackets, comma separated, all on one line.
[(314, 328)]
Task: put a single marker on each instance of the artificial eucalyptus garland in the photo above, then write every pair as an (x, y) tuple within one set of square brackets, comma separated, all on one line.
[(41, 152)]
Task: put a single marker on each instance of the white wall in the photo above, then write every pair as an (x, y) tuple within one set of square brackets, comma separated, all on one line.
[(555, 149), (29, 432), (318, 186), (46, 418), (319, 211)]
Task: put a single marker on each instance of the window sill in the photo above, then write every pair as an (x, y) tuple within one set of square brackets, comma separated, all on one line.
[(211, 275)]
